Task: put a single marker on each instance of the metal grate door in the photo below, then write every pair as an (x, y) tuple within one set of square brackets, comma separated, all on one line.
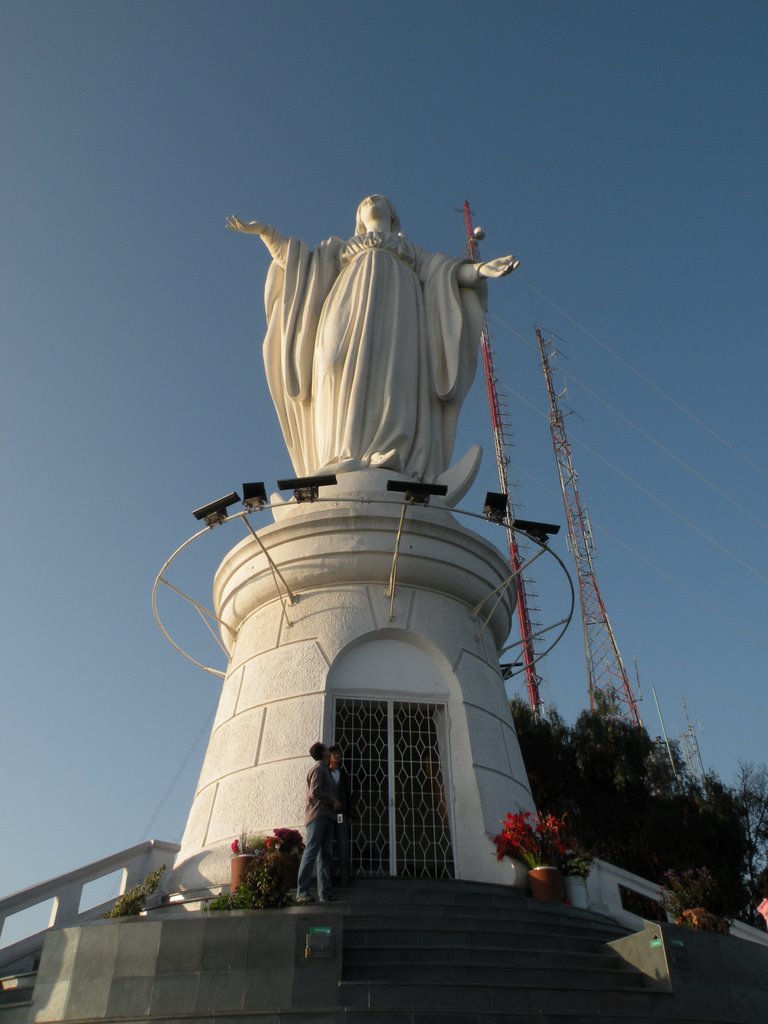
[(392, 752)]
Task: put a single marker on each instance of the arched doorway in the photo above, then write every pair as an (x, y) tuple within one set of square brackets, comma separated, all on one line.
[(395, 748)]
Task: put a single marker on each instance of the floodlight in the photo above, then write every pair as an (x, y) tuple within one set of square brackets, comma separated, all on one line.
[(417, 493), (254, 495), (495, 507), (508, 667), (539, 531), (216, 512), (305, 488)]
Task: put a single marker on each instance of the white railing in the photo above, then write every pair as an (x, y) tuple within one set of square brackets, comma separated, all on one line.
[(66, 891), (604, 897), (603, 894)]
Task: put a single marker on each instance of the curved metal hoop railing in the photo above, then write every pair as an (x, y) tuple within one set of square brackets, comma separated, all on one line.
[(208, 617)]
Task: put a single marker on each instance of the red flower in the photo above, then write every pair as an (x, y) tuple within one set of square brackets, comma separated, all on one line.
[(537, 845), (287, 840), (235, 846)]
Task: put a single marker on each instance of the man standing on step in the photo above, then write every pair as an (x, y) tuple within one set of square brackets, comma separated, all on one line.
[(319, 817), (343, 787)]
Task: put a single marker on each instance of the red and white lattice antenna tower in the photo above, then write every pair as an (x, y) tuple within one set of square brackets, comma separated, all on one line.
[(502, 443), (606, 675)]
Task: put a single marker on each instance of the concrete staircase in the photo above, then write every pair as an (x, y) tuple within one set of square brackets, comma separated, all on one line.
[(428, 951)]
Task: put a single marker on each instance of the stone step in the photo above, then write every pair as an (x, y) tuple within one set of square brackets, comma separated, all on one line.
[(373, 1015), (383, 930), (364, 915), (492, 895), (16, 989), (479, 896), (519, 909), (510, 1015), (453, 885), (555, 999), (482, 956), (16, 997), (478, 903), (456, 973)]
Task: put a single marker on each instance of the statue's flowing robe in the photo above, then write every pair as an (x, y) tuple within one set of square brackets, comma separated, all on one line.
[(371, 348)]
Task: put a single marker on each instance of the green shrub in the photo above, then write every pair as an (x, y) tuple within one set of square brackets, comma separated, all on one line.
[(265, 887), (131, 903)]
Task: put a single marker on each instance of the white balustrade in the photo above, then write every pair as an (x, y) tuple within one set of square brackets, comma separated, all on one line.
[(604, 896), (66, 892)]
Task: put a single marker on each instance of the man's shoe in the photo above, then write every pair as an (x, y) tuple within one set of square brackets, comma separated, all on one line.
[(328, 899), (301, 901)]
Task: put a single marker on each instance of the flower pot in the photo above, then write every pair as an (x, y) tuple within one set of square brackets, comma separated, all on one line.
[(546, 884), (291, 862), (576, 891), (239, 868)]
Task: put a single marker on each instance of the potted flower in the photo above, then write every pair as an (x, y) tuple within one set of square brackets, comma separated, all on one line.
[(263, 887), (245, 849), (692, 899), (576, 866), (538, 841), (289, 843)]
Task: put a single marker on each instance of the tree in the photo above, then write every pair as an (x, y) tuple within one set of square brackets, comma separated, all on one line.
[(546, 751), (751, 789), (627, 806)]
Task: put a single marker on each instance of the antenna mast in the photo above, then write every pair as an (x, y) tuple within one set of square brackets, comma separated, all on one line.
[(606, 674), (502, 443), (689, 745)]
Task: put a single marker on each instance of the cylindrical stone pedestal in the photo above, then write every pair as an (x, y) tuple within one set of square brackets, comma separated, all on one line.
[(346, 650)]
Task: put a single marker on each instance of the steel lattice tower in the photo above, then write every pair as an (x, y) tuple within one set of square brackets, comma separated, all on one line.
[(689, 747), (606, 674), (502, 443)]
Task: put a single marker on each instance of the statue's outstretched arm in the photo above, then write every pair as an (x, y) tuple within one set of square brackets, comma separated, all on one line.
[(271, 237), (470, 273)]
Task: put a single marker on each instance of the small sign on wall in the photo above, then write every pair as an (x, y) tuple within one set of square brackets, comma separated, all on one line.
[(319, 942)]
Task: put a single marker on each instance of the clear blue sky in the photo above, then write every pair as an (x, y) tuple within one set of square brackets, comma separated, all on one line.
[(619, 149)]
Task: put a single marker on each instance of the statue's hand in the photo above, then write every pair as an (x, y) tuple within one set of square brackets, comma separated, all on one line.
[(499, 267), (251, 227)]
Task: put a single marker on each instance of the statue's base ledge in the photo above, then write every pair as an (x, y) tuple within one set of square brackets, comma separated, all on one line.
[(354, 483)]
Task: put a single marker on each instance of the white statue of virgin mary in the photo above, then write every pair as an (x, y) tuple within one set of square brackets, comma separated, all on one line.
[(371, 345)]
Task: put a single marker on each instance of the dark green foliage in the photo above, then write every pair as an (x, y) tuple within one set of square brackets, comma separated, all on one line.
[(576, 863), (609, 784), (686, 890), (548, 756), (626, 805), (131, 903), (265, 887), (752, 800)]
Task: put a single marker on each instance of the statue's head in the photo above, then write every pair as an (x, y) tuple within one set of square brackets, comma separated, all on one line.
[(378, 200)]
